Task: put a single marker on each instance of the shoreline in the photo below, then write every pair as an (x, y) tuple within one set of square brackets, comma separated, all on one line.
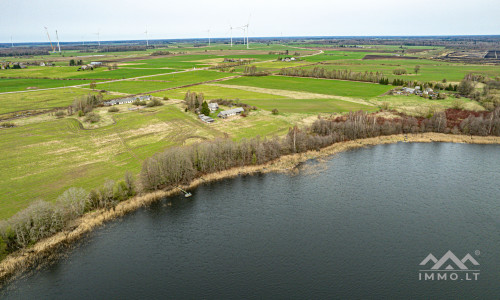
[(47, 249)]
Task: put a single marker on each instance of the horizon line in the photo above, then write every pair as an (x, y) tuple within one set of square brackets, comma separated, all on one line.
[(265, 37)]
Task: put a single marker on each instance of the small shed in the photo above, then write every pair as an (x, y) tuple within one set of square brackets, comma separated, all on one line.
[(213, 106)]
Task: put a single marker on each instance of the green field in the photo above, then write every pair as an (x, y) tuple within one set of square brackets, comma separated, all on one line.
[(417, 105), (54, 155), (162, 82), (37, 100), (429, 70), (310, 106), (71, 72), (217, 92), (313, 85), (11, 85)]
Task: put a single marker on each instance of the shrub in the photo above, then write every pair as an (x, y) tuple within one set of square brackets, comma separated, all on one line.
[(113, 109), (92, 117), (457, 104), (7, 125), (399, 71), (120, 191), (72, 203), (59, 114), (154, 102), (275, 111), (81, 113), (465, 88), (3, 248), (384, 105), (138, 102), (166, 98)]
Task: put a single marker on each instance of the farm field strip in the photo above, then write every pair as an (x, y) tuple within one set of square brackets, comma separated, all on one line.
[(289, 94), (314, 85)]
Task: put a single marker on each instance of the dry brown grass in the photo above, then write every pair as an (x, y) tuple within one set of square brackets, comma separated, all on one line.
[(48, 248)]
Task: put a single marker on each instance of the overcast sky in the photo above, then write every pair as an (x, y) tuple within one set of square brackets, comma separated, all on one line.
[(76, 20)]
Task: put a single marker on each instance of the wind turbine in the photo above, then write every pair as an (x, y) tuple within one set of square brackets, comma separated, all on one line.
[(11, 41), (147, 40), (58, 46), (247, 26), (245, 30), (98, 37), (231, 31), (208, 37)]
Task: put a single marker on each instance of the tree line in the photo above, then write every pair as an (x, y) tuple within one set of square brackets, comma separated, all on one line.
[(42, 219), (318, 72)]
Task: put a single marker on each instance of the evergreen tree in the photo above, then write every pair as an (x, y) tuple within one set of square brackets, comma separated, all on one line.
[(204, 108)]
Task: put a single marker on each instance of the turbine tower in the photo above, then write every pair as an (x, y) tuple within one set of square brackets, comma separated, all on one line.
[(11, 41), (147, 39), (231, 31), (98, 38), (208, 37), (58, 46), (244, 39)]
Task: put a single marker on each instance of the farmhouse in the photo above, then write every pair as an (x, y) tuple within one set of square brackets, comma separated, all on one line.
[(206, 119), (231, 112), (213, 106), (96, 63), (408, 90), (127, 100), (287, 59), (86, 67)]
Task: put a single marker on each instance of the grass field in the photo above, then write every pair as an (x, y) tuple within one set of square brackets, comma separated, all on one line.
[(37, 100), (310, 106), (313, 85), (429, 70), (12, 85), (71, 72), (417, 105), (52, 156), (171, 80), (217, 92)]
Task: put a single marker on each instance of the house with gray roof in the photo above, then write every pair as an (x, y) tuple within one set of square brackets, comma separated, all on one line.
[(230, 112), (127, 100)]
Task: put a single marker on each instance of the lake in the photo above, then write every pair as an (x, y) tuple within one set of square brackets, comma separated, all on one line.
[(357, 225)]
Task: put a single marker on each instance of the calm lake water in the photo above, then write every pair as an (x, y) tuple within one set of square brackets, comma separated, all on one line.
[(355, 226)]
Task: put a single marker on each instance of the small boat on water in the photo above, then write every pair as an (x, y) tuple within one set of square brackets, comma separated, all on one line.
[(186, 194)]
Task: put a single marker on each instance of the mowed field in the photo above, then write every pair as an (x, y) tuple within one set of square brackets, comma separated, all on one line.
[(56, 154), (72, 73), (48, 99), (429, 70), (313, 85), (154, 83), (11, 85)]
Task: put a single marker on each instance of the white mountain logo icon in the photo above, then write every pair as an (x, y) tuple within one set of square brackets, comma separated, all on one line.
[(449, 258)]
